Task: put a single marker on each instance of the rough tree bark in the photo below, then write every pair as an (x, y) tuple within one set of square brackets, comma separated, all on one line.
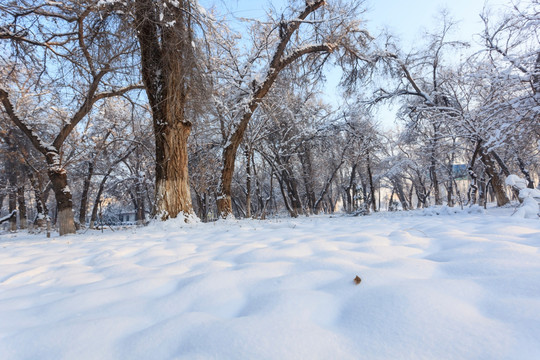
[(165, 51)]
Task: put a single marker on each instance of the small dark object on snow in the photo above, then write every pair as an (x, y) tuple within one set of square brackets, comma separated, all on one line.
[(357, 280)]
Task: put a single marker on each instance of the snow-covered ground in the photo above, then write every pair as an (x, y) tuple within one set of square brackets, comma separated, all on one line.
[(453, 286)]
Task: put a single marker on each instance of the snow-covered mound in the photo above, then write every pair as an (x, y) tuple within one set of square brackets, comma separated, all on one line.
[(465, 286)]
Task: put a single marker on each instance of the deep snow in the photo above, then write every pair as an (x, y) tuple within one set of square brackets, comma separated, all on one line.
[(451, 286)]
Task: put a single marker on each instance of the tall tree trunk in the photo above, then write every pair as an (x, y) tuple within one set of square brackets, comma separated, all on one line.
[(165, 59), (433, 166), (371, 185), (247, 153)]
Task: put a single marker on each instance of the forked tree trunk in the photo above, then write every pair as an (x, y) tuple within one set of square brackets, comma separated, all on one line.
[(496, 182)]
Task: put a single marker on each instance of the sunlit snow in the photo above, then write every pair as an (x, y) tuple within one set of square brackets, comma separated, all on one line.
[(451, 286)]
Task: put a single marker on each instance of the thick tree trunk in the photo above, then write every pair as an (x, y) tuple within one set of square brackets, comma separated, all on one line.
[(173, 195), (166, 60), (64, 202)]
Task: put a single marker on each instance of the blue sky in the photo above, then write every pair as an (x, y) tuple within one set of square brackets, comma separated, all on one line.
[(405, 18), (408, 20)]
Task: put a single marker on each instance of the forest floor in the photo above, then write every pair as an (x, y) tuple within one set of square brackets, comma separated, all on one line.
[(460, 285)]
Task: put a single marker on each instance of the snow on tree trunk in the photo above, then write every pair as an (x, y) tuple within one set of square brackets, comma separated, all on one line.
[(41, 217)]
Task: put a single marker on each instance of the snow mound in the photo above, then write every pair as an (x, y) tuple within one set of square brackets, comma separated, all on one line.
[(447, 210)]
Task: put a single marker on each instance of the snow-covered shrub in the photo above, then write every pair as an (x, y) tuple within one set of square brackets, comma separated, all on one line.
[(530, 206)]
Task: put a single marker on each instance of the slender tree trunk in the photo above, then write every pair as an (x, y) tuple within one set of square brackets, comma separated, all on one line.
[(41, 207), (524, 171), (307, 174), (139, 193), (22, 207), (433, 167), (84, 195), (349, 190), (95, 208), (247, 153), (371, 186), (12, 207), (473, 187)]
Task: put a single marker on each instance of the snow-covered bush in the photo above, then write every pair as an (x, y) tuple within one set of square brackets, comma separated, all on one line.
[(530, 197)]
